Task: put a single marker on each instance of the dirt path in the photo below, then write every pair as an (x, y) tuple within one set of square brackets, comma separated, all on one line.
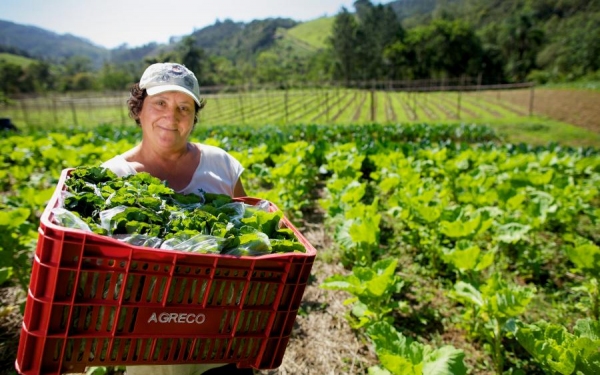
[(577, 107)]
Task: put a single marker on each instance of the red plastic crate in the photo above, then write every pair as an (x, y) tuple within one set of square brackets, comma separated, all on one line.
[(96, 301)]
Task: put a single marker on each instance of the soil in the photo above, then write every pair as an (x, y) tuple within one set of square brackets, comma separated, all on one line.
[(576, 107), (10, 328)]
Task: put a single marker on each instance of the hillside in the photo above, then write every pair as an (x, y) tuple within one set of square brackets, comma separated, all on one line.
[(15, 59), (238, 41), (48, 45), (313, 33)]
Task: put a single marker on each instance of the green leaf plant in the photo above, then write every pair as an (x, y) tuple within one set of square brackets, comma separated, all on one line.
[(399, 355), (492, 305), (372, 288), (585, 255), (556, 350)]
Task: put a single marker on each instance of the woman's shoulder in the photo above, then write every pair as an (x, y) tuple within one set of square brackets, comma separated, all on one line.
[(114, 161), (205, 148), (119, 165)]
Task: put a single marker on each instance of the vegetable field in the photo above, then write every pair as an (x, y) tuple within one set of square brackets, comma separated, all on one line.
[(455, 253)]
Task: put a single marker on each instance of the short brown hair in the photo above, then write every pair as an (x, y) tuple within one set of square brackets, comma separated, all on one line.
[(136, 101)]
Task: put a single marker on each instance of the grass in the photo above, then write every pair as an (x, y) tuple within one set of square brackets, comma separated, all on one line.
[(536, 131), (541, 131), (582, 85), (313, 33), (15, 59)]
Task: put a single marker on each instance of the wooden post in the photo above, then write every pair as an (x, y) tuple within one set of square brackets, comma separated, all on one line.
[(25, 114), (73, 112), (285, 103), (531, 96), (458, 105), (372, 104), (122, 111), (327, 106), (479, 79), (54, 110), (241, 107)]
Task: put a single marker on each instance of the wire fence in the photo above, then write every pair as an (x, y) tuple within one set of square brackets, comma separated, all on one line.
[(284, 103)]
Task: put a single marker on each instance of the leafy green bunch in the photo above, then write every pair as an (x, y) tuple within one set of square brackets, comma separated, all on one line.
[(142, 210)]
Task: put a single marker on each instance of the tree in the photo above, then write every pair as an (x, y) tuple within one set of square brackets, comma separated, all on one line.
[(41, 75), (343, 42), (10, 78), (445, 49), (321, 66), (268, 68), (78, 64), (520, 41), (577, 52), (113, 78), (398, 59), (378, 29), (192, 56)]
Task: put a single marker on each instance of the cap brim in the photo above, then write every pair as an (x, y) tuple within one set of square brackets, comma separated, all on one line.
[(164, 88)]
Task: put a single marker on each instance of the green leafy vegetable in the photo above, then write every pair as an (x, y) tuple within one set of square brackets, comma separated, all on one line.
[(141, 209)]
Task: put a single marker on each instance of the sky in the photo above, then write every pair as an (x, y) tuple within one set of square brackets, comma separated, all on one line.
[(111, 23)]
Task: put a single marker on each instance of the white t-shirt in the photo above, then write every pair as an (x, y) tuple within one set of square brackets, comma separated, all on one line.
[(217, 172)]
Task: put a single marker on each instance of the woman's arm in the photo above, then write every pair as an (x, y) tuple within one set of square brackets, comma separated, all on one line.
[(238, 190)]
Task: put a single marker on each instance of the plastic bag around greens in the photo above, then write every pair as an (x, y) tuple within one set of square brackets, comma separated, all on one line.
[(201, 243), (262, 205), (255, 243), (107, 215), (68, 219), (139, 240), (235, 210)]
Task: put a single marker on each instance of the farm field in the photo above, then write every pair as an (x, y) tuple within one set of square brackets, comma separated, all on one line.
[(517, 115), (578, 107), (442, 232), (279, 107)]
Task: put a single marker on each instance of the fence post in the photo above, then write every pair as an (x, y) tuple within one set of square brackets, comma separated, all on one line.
[(123, 110), (458, 105), (241, 107), (54, 110), (372, 104), (25, 114), (285, 101), (531, 97), (327, 106), (73, 112)]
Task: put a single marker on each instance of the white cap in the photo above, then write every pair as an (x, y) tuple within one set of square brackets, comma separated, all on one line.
[(161, 77)]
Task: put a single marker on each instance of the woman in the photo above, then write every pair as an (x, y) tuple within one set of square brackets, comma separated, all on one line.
[(165, 104)]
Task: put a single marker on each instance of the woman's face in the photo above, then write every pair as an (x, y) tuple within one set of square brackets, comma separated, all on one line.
[(167, 119)]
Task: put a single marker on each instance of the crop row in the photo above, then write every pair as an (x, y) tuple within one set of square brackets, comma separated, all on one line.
[(325, 106)]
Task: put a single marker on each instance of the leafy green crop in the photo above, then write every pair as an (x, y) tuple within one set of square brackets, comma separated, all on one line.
[(373, 289), (142, 210), (399, 355), (493, 304), (561, 352)]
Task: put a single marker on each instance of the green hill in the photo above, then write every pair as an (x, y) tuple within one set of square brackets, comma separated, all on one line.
[(241, 41), (313, 33), (46, 44), (15, 59)]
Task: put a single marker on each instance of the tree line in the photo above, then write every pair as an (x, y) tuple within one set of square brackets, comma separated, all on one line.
[(460, 38)]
